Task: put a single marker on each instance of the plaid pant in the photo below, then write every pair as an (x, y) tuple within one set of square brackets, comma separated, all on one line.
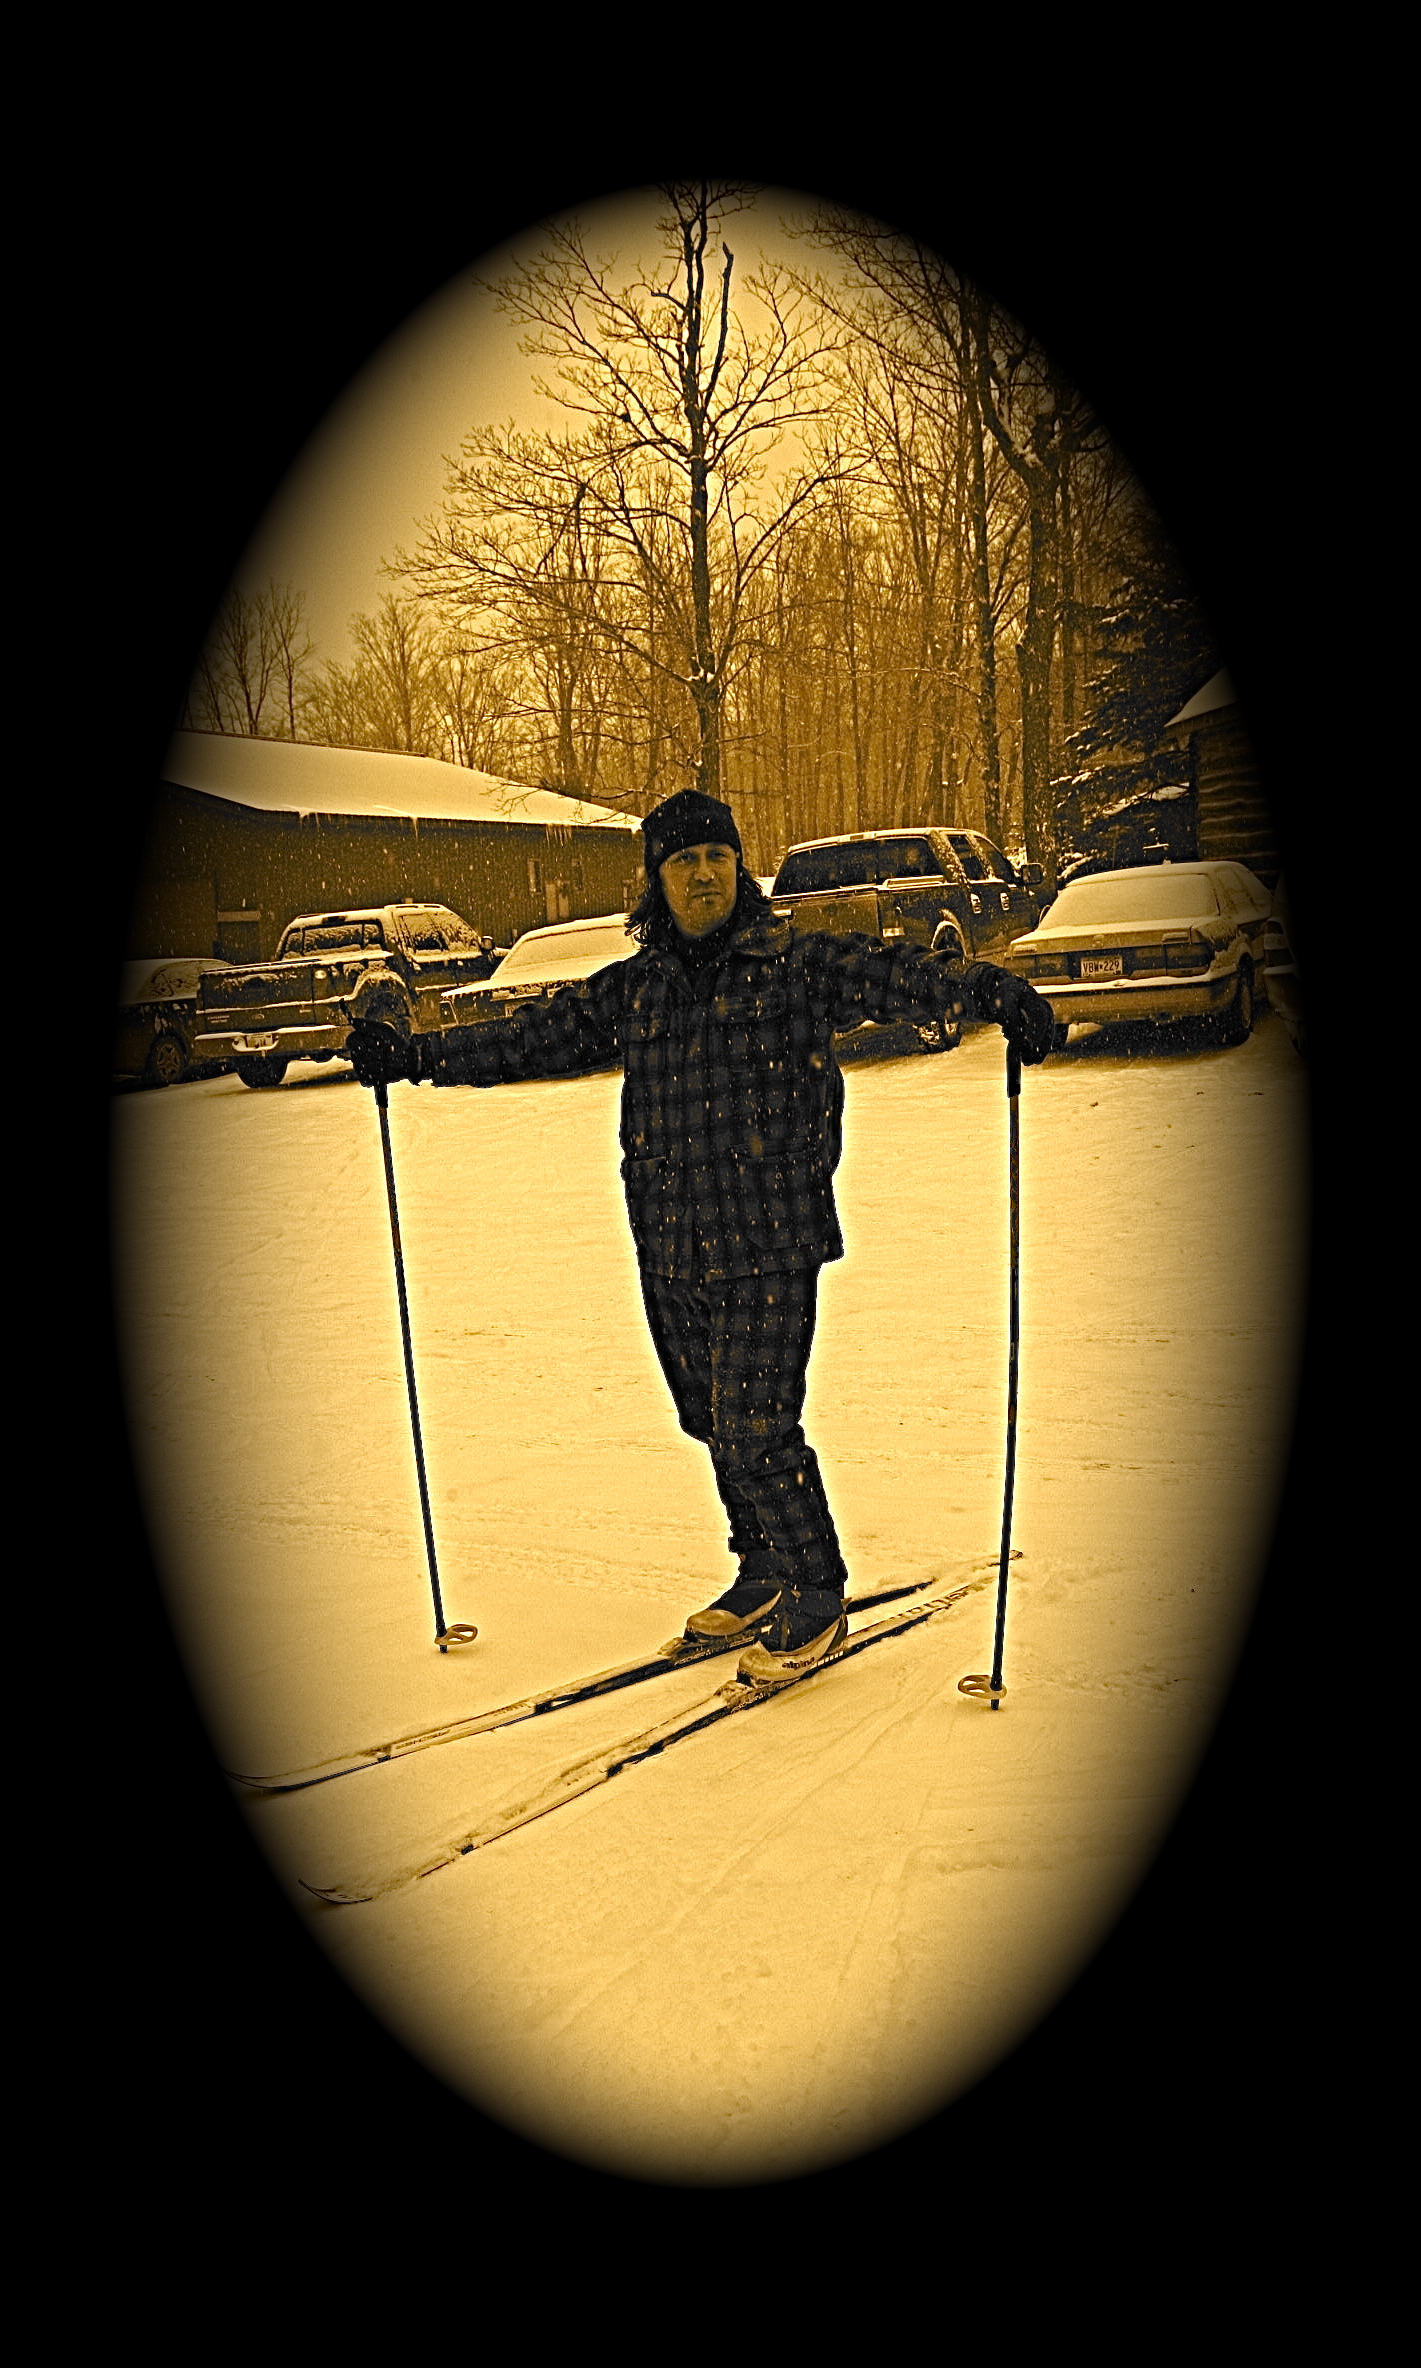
[(735, 1356)]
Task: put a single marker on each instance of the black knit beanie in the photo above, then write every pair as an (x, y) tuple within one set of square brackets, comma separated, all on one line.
[(687, 820)]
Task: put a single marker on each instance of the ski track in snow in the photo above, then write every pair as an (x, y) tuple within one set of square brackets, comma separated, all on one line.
[(787, 1938)]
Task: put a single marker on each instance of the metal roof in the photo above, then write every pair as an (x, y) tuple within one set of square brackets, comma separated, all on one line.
[(297, 776)]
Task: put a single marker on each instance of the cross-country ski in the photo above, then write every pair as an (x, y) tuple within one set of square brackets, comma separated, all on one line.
[(584, 1775), (678, 1653)]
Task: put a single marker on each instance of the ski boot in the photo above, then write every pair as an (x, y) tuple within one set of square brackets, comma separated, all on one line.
[(805, 1625), (737, 1615)]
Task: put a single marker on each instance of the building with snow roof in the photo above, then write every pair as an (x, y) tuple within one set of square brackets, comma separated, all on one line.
[(246, 833)]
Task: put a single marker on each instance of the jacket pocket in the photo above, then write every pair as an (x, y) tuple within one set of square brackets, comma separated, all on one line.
[(785, 1208), (647, 1016), (750, 1007)]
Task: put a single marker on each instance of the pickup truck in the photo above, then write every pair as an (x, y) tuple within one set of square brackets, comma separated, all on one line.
[(394, 962), (950, 890)]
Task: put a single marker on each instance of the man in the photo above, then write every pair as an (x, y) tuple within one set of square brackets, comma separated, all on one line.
[(730, 1133)]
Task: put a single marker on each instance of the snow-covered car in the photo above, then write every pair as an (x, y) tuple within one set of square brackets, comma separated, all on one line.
[(392, 962), (1158, 943), (541, 962), (157, 1020), (952, 890)]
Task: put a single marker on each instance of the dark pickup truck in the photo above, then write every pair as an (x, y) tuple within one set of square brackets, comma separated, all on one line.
[(394, 962), (951, 890)]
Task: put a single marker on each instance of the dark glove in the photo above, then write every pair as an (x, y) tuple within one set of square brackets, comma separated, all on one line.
[(379, 1055), (1024, 1016)]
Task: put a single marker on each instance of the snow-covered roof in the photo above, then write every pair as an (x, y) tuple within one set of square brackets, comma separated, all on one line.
[(1143, 797), (1218, 692), (296, 776)]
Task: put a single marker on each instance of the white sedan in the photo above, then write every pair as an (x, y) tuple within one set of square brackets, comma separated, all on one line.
[(1158, 943), (542, 962)]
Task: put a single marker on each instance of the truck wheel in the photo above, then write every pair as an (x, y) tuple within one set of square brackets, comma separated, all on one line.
[(384, 999), (948, 946), (269, 1071), (167, 1060)]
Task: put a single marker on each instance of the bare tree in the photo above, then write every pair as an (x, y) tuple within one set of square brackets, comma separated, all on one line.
[(481, 711), (932, 325), (385, 697), (916, 315), (640, 534), (251, 676)]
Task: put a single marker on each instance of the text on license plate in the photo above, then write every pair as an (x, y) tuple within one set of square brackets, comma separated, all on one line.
[(1100, 966), (254, 1043)]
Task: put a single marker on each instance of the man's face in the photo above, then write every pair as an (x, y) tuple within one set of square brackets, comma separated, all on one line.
[(700, 885)]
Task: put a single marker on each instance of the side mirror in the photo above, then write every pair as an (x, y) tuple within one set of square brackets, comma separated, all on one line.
[(1031, 875)]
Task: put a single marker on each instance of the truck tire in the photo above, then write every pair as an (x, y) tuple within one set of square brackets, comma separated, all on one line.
[(268, 1071), (167, 1060), (381, 996)]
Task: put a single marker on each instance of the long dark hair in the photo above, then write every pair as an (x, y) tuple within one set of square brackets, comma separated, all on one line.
[(651, 923)]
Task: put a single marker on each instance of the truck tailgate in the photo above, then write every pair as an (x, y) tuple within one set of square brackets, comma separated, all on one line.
[(281, 996), (837, 911)]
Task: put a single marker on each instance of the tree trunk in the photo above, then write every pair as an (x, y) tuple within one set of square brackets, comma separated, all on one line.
[(1034, 666), (1067, 571), (993, 804)]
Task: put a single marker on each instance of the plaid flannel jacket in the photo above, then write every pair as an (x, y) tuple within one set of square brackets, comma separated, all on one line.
[(732, 1099)]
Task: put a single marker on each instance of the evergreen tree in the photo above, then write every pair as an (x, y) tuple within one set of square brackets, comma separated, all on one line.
[(1156, 650)]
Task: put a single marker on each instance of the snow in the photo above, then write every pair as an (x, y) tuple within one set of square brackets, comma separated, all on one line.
[(801, 1933), (297, 776)]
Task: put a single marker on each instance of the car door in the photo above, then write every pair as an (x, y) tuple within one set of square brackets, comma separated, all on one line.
[(989, 895), (426, 955), (960, 899), (465, 958), (1020, 910)]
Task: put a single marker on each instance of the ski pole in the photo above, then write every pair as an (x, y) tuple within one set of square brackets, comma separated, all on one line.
[(461, 1632), (992, 1687)]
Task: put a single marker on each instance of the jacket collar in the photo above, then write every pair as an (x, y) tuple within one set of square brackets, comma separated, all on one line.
[(762, 941)]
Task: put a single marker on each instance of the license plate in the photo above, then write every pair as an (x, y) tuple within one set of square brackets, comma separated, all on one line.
[(257, 1043), (1100, 966)]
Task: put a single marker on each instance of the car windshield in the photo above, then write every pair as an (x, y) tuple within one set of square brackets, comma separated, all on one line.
[(544, 949), (459, 936), (1135, 896), (424, 932), (862, 863)]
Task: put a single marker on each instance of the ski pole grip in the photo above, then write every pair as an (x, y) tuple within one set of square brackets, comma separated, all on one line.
[(1013, 1073)]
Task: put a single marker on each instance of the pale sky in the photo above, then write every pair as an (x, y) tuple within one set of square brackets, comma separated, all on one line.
[(376, 466)]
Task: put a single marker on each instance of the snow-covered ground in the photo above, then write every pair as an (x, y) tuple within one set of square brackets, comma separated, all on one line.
[(804, 1931)]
